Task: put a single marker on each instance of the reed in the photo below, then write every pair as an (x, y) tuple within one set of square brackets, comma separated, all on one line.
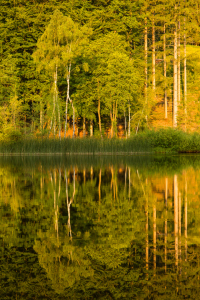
[(159, 141)]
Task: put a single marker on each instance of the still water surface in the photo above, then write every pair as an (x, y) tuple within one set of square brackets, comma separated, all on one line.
[(100, 228)]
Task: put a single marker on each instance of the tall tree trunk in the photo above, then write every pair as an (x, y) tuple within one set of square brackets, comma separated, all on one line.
[(165, 68), (55, 99), (129, 120), (91, 128), (99, 110), (175, 105), (53, 118), (58, 108), (125, 129), (111, 119), (67, 97), (41, 118), (146, 70), (73, 135), (115, 118), (153, 58), (179, 66), (59, 123), (185, 78), (83, 126)]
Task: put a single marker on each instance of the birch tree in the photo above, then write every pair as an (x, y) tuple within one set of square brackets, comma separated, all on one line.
[(73, 40), (48, 57)]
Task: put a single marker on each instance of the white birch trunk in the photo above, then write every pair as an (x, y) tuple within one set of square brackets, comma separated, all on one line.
[(165, 69), (175, 104), (58, 108), (146, 70), (179, 66), (67, 97), (185, 78), (153, 58), (129, 121)]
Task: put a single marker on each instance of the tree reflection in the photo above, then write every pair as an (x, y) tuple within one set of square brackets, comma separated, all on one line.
[(106, 229)]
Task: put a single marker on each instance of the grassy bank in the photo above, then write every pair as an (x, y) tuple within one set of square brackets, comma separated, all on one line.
[(160, 141)]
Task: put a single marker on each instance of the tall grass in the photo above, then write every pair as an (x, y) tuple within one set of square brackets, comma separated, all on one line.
[(163, 140)]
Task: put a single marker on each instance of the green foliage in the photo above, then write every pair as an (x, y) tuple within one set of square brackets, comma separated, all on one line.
[(102, 42)]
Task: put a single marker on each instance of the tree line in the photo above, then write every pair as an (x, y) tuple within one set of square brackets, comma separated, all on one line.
[(97, 67)]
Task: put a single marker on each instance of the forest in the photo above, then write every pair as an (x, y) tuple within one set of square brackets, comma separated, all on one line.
[(98, 68)]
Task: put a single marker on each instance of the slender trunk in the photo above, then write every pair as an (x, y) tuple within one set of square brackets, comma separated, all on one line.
[(179, 66), (59, 124), (91, 128), (125, 131), (67, 97), (65, 132), (73, 135), (54, 115), (111, 119), (185, 78), (55, 99), (115, 119), (83, 126), (165, 69), (153, 58), (56, 95), (145, 69), (99, 110), (53, 118), (175, 109)]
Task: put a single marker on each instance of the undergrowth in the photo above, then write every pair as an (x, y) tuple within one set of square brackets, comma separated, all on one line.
[(159, 141)]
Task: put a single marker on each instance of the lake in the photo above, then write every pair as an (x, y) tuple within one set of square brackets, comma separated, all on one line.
[(88, 227)]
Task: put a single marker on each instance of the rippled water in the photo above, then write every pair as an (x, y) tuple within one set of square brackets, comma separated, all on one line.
[(99, 228)]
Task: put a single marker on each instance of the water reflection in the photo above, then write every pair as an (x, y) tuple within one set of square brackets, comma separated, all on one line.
[(111, 231)]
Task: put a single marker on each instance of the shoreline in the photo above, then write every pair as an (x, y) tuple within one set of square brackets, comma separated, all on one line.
[(75, 153), (97, 153)]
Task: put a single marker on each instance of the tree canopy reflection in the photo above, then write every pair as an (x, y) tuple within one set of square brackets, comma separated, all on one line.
[(106, 231)]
